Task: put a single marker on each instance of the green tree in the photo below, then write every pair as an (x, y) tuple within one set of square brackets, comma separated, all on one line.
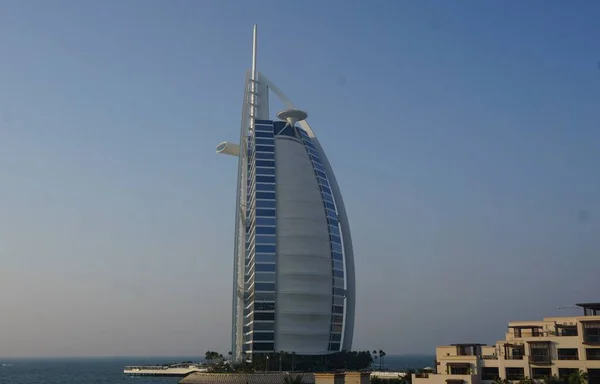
[(293, 379), (498, 380), (578, 377), (526, 380), (376, 380), (552, 380)]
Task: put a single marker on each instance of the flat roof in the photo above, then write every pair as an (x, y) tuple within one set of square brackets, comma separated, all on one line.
[(468, 345), (595, 306)]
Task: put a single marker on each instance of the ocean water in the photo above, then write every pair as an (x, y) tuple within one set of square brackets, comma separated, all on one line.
[(110, 370)]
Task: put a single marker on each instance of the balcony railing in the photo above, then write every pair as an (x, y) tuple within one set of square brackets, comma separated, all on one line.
[(489, 357), (515, 357), (540, 359)]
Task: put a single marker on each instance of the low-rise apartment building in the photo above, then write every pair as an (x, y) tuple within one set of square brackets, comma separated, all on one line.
[(534, 349)]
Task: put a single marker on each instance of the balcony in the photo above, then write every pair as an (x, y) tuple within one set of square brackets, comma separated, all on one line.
[(514, 357), (540, 359), (489, 357)]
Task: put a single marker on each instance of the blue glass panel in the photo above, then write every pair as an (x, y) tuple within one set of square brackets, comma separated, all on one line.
[(264, 306), (263, 122), (264, 128), (263, 347), (263, 336), (338, 283), (337, 319), (265, 239), (326, 190), (336, 328), (265, 221), (336, 239), (339, 292), (266, 287), (264, 134), (337, 301), (265, 249), (323, 182), (335, 337), (264, 141), (265, 230), (265, 212), (327, 197), (266, 195), (265, 155), (265, 268), (265, 171), (265, 204), (337, 273), (321, 173), (265, 258), (264, 297), (330, 221), (265, 187), (264, 326), (312, 151), (334, 230), (329, 205), (331, 213), (264, 148), (318, 166), (335, 308), (336, 264), (265, 179), (309, 144), (265, 277), (336, 247), (334, 346)]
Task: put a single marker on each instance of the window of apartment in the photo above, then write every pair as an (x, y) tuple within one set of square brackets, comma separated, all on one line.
[(567, 330), (540, 352), (459, 369), (591, 332), (568, 354), (593, 353), (564, 373), (489, 373), (515, 373), (517, 332), (540, 373)]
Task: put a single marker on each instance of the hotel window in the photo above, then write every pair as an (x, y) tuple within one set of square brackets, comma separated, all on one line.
[(515, 374), (568, 354), (541, 373)]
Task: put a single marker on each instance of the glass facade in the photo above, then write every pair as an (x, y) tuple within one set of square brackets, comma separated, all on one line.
[(261, 260), (260, 278)]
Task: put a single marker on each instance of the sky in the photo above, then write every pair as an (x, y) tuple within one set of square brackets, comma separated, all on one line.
[(464, 136)]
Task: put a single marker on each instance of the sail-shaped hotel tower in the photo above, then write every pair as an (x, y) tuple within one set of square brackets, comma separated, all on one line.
[(294, 288)]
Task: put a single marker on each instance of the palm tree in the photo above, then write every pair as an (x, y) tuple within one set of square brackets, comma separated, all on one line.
[(552, 380), (381, 356), (526, 380), (498, 380), (293, 379), (579, 377)]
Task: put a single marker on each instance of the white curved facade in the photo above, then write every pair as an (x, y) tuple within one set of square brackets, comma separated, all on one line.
[(294, 283), (304, 282)]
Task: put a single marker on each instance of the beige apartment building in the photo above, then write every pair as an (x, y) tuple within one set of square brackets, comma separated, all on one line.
[(535, 349)]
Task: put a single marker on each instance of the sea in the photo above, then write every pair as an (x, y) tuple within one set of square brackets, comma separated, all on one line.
[(110, 370)]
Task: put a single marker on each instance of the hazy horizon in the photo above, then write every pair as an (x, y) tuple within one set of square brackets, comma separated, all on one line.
[(463, 135)]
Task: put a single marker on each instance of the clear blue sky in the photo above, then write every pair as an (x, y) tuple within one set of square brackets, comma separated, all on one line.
[(464, 135)]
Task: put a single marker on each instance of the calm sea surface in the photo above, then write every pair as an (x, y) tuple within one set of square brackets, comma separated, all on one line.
[(110, 370)]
